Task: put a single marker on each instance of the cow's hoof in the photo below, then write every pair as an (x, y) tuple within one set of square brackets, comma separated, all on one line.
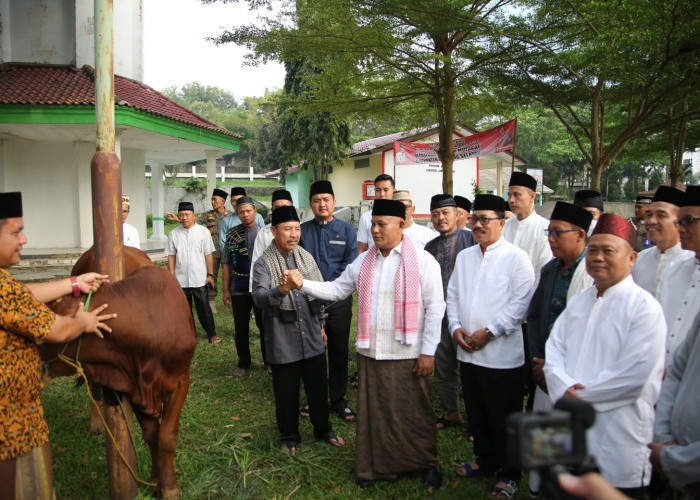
[(172, 494)]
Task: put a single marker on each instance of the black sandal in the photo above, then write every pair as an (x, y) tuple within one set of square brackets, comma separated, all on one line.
[(304, 412), (347, 414)]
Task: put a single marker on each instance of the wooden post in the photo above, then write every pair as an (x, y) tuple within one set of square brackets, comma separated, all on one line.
[(106, 174)]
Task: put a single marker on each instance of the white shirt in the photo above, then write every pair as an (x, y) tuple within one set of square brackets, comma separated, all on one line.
[(420, 235), (613, 345), (431, 310), (529, 235), (491, 290), (651, 263), (131, 236), (262, 241), (679, 295), (190, 247), (364, 228)]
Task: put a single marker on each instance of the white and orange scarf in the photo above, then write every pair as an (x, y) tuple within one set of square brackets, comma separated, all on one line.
[(406, 296)]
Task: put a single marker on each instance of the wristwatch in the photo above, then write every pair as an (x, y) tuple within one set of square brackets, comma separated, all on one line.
[(489, 334), (210, 274)]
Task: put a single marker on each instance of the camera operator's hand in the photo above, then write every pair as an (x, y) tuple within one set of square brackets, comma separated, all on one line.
[(592, 486), (538, 372), (572, 392)]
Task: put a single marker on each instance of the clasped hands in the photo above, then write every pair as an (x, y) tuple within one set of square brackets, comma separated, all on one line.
[(471, 342), (291, 280)]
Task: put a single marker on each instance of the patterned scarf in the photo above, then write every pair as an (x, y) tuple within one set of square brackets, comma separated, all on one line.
[(276, 263), (406, 299)]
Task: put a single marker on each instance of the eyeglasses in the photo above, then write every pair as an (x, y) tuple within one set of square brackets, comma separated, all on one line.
[(483, 220), (557, 232), (685, 222)]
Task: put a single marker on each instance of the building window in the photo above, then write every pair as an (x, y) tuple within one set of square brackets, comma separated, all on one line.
[(362, 163)]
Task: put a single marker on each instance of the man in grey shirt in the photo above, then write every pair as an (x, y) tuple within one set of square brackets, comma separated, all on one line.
[(294, 339)]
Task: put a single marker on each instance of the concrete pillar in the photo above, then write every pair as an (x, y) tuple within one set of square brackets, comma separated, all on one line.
[(157, 239), (211, 171), (82, 154), (223, 174), (499, 178)]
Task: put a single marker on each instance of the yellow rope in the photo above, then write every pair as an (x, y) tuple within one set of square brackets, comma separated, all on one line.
[(79, 370)]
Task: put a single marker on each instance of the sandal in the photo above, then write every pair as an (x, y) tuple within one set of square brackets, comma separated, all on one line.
[(354, 380), (445, 423), (348, 414), (239, 372), (304, 412), (289, 447), (334, 440), (215, 339), (466, 470), (504, 492)]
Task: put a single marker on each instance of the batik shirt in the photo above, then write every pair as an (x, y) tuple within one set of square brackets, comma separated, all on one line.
[(23, 321)]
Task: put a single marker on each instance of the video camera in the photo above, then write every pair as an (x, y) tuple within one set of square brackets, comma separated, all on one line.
[(552, 443)]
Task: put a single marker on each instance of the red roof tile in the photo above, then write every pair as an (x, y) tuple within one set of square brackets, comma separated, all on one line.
[(68, 85)]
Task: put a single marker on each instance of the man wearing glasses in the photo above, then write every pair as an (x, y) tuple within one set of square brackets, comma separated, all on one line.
[(679, 289), (561, 278), (487, 300), (660, 217)]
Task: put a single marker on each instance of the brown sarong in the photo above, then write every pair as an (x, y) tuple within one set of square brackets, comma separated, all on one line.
[(28, 477), (396, 430)]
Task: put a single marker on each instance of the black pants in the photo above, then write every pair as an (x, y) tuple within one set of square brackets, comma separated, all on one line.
[(493, 394), (338, 332), (201, 304), (241, 305), (286, 380)]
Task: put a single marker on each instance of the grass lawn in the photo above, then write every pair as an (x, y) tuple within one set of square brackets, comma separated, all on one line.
[(228, 446)]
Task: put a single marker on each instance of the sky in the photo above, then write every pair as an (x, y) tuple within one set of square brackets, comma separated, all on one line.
[(176, 51)]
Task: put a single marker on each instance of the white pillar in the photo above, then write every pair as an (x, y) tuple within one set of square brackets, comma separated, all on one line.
[(82, 154), (250, 166), (194, 170), (158, 238), (223, 174), (499, 178), (211, 171)]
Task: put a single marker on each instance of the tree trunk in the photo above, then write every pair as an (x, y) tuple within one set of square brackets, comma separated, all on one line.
[(444, 98), (676, 145)]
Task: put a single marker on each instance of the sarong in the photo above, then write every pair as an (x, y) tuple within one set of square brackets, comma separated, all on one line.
[(28, 477), (396, 430)]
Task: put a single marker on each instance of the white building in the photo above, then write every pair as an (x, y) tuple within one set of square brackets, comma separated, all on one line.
[(47, 120)]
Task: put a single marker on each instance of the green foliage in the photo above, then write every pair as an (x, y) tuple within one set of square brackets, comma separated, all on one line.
[(195, 185), (603, 68)]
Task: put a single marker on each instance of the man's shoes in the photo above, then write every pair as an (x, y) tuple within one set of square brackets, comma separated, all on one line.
[(432, 478), (364, 483), (239, 372)]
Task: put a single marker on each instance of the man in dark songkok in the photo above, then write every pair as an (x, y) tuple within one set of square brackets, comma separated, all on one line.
[(294, 343), (443, 215), (592, 201), (640, 206)]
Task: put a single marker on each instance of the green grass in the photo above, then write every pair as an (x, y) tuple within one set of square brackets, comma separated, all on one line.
[(228, 446)]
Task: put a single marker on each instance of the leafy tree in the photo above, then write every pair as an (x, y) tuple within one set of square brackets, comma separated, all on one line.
[(603, 68), (381, 56), (316, 139)]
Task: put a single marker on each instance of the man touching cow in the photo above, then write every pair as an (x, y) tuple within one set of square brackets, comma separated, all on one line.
[(26, 322)]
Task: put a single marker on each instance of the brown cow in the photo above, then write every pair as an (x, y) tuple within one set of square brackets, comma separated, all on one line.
[(147, 357)]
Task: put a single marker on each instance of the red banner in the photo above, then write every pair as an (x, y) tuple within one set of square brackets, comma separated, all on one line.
[(495, 140)]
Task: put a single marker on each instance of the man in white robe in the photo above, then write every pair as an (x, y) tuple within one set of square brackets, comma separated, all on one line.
[(660, 217), (527, 229), (487, 299), (607, 349), (396, 430), (679, 289)]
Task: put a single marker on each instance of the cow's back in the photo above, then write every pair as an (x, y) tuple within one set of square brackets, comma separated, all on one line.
[(148, 353), (133, 259)]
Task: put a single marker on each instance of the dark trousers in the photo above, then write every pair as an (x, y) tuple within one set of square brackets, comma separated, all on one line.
[(286, 380), (201, 304), (211, 292), (338, 333), (241, 305), (493, 394)]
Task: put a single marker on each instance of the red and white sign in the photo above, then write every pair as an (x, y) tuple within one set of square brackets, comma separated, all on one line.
[(495, 140)]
